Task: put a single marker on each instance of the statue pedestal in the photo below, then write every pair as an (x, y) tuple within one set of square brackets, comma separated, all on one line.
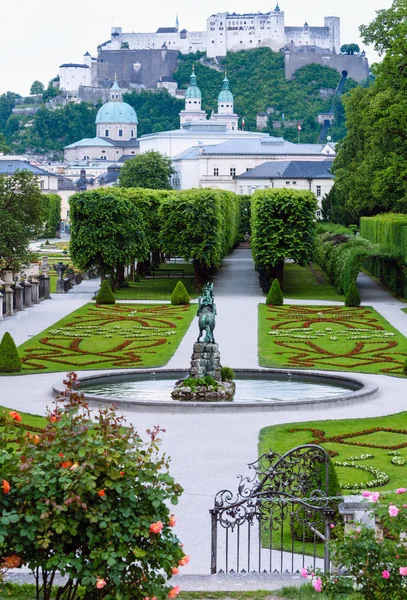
[(205, 361)]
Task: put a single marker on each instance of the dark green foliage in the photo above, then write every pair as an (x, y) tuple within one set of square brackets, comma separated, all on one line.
[(352, 297), (105, 294), (350, 49), (180, 295), (303, 532), (37, 88), (51, 211), (283, 226), (389, 230), (227, 374), (150, 170), (10, 361), (201, 225), (275, 295), (156, 111), (193, 382), (20, 216)]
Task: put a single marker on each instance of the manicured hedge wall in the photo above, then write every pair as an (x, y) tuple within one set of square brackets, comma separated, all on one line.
[(389, 230)]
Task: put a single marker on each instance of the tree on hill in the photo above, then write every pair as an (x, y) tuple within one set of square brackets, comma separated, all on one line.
[(350, 49), (156, 111), (148, 170), (37, 88)]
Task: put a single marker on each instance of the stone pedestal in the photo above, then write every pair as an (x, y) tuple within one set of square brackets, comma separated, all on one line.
[(47, 287), (35, 291), (60, 286), (205, 361), (18, 290), (9, 302), (27, 294), (1, 305)]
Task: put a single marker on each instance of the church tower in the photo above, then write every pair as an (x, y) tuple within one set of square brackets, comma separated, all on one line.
[(225, 112), (192, 111)]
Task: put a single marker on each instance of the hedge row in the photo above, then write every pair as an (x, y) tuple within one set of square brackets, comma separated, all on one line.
[(389, 230), (343, 257)]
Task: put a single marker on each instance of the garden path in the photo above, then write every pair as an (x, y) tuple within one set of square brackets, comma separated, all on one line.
[(208, 450)]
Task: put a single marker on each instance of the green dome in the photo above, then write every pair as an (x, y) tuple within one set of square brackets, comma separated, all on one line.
[(225, 93), (193, 90), (116, 112)]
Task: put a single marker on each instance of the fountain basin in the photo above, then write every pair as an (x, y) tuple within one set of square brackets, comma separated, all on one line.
[(256, 389)]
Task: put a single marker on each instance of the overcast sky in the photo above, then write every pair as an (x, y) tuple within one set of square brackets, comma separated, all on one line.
[(37, 36)]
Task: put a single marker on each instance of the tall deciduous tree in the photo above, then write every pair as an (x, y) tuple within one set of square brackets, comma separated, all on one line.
[(283, 226), (37, 88), (148, 170), (107, 231), (20, 216), (51, 210), (350, 48)]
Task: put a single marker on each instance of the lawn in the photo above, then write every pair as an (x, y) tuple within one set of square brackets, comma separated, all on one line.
[(161, 286), (31, 420), (329, 337), (308, 283), (108, 337)]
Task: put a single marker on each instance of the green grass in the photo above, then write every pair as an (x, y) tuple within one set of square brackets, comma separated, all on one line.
[(303, 592), (28, 419), (308, 283), (281, 438), (159, 288), (108, 337), (331, 338)]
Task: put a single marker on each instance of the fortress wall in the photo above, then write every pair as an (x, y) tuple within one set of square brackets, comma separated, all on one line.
[(357, 67), (135, 67)]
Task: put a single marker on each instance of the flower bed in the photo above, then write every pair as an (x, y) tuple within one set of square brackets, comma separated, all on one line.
[(100, 337), (334, 338)]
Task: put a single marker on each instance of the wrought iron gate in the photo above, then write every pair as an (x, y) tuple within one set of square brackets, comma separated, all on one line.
[(278, 518)]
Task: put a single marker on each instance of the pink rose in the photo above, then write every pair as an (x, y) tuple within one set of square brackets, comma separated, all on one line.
[(366, 494), (304, 572), (385, 574), (317, 584), (156, 527), (393, 510), (100, 583), (332, 526), (173, 593), (375, 496), (403, 571), (172, 521), (174, 571), (401, 490), (358, 530)]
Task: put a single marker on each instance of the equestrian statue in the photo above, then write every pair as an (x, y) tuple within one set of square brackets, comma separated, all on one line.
[(206, 314)]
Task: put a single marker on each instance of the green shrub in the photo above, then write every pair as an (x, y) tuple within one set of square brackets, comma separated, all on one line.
[(180, 294), (193, 382), (389, 230), (105, 294), (227, 374), (275, 295), (352, 297), (10, 361)]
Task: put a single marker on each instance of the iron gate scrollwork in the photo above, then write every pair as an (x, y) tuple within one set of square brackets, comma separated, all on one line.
[(278, 517)]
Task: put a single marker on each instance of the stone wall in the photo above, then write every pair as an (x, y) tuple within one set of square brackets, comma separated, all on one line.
[(356, 66)]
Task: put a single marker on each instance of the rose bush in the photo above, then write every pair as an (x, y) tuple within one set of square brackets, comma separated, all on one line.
[(88, 499)]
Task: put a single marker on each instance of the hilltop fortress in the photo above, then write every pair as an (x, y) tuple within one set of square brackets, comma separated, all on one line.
[(148, 60)]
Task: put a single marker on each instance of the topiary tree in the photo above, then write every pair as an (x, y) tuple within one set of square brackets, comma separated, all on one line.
[(352, 297), (180, 294), (105, 294), (87, 498), (10, 361), (275, 295)]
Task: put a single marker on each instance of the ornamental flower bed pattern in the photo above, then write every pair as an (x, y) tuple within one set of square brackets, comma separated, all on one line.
[(101, 337), (334, 338)]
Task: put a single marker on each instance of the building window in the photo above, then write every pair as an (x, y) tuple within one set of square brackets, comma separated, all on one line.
[(132, 133), (318, 190), (216, 172), (287, 183), (294, 183), (106, 133), (232, 171), (42, 185), (248, 169), (120, 132), (318, 214)]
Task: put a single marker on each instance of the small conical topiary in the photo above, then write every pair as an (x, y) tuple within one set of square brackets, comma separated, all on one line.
[(105, 294), (10, 361), (179, 294), (275, 295), (352, 297)]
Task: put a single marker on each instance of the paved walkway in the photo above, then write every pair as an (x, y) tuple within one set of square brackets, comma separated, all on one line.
[(207, 450)]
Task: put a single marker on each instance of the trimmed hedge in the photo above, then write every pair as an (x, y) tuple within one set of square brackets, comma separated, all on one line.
[(180, 295), (105, 294), (389, 230), (352, 295), (275, 295), (10, 361)]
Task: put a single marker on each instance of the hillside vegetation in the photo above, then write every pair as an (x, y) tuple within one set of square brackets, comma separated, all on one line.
[(256, 79)]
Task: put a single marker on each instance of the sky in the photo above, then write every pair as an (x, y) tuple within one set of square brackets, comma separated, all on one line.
[(36, 37)]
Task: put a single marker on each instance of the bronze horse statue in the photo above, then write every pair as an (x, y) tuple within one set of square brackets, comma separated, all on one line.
[(206, 314)]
